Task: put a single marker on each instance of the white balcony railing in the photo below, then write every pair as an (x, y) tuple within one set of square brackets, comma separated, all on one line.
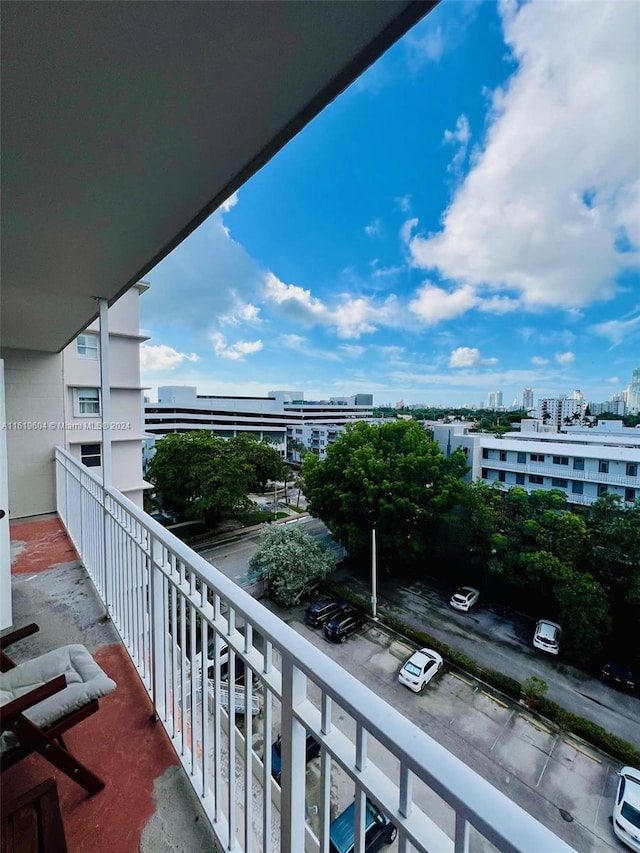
[(168, 604)]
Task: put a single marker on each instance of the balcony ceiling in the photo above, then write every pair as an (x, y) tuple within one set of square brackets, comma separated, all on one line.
[(125, 124)]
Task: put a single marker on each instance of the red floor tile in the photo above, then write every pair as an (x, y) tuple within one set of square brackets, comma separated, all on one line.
[(40, 545)]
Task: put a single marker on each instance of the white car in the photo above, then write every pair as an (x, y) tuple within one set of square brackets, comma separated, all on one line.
[(547, 636), (626, 810), (464, 598), (418, 671)]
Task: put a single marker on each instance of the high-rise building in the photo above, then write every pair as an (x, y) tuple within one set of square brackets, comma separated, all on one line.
[(633, 393), (494, 400), (562, 411), (527, 399)]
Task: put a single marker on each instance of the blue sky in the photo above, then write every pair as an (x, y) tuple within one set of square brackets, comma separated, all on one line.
[(465, 218)]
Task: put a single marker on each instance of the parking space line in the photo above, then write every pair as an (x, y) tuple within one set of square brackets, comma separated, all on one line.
[(460, 678), (494, 699), (582, 751), (502, 730), (600, 798), (537, 725), (547, 761)]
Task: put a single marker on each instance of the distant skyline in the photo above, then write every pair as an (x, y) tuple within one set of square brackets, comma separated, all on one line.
[(464, 219)]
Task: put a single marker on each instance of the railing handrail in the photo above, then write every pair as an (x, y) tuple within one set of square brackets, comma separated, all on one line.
[(493, 813)]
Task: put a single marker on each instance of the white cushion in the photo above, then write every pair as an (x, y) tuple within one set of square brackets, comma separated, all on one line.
[(85, 681)]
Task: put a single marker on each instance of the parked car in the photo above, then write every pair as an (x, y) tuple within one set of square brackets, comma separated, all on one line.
[(344, 624), (464, 598), (547, 636), (378, 830), (619, 675), (626, 809), (312, 751), (162, 518), (418, 671), (319, 613)]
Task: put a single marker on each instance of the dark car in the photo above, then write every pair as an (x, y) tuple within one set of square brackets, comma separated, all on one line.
[(319, 613), (162, 518), (378, 830), (619, 675), (312, 750), (343, 625)]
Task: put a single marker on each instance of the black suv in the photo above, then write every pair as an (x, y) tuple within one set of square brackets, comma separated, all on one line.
[(345, 623), (319, 613)]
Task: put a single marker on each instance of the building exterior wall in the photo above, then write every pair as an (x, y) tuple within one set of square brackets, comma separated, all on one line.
[(41, 390), (583, 463), (277, 417)]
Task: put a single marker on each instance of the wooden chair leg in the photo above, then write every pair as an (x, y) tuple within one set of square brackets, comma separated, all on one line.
[(28, 733)]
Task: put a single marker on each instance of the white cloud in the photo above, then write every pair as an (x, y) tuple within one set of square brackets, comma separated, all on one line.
[(469, 357), (163, 357), (352, 350), (617, 331), (300, 344), (539, 361), (350, 317), (374, 229), (246, 313), (433, 304), (403, 202), (460, 137), (226, 206), (613, 380), (427, 46), (541, 210), (233, 352), (565, 357)]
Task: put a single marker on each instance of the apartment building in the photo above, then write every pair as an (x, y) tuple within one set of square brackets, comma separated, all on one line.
[(584, 463), (280, 415), (54, 399)]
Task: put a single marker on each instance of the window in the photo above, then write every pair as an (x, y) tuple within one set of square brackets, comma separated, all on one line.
[(90, 455), (485, 452), (576, 487), (578, 464), (632, 469), (87, 346), (519, 479), (522, 458), (603, 467), (485, 473), (602, 489), (559, 483), (503, 455), (86, 401), (560, 460), (502, 476), (537, 457), (630, 495), (536, 478)]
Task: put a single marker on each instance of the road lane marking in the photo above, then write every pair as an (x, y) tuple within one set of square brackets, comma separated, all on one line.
[(582, 751), (460, 678), (537, 725)]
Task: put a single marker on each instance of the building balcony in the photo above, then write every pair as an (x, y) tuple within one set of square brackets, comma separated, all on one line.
[(164, 605)]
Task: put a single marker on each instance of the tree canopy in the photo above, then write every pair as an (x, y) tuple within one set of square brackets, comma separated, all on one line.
[(290, 560), (202, 475), (390, 476)]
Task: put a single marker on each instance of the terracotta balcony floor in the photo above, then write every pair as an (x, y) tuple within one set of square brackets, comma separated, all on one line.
[(147, 804)]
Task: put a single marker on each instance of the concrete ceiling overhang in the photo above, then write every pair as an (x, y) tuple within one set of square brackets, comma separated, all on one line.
[(125, 124)]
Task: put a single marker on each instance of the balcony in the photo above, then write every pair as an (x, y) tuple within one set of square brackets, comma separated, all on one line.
[(166, 604)]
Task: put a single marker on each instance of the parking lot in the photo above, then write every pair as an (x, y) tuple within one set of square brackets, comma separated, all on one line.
[(561, 781)]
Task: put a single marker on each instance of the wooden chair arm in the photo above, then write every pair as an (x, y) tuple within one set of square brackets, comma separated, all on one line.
[(14, 709), (6, 663)]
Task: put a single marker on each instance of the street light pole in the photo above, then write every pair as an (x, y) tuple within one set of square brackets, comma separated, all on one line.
[(374, 575)]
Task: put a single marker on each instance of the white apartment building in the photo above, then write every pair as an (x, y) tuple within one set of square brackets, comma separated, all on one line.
[(280, 415), (584, 463), (563, 411), (494, 400), (53, 399)]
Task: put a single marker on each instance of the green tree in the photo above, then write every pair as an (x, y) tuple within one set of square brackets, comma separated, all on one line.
[(390, 476), (584, 615), (264, 460), (201, 475), (290, 560)]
